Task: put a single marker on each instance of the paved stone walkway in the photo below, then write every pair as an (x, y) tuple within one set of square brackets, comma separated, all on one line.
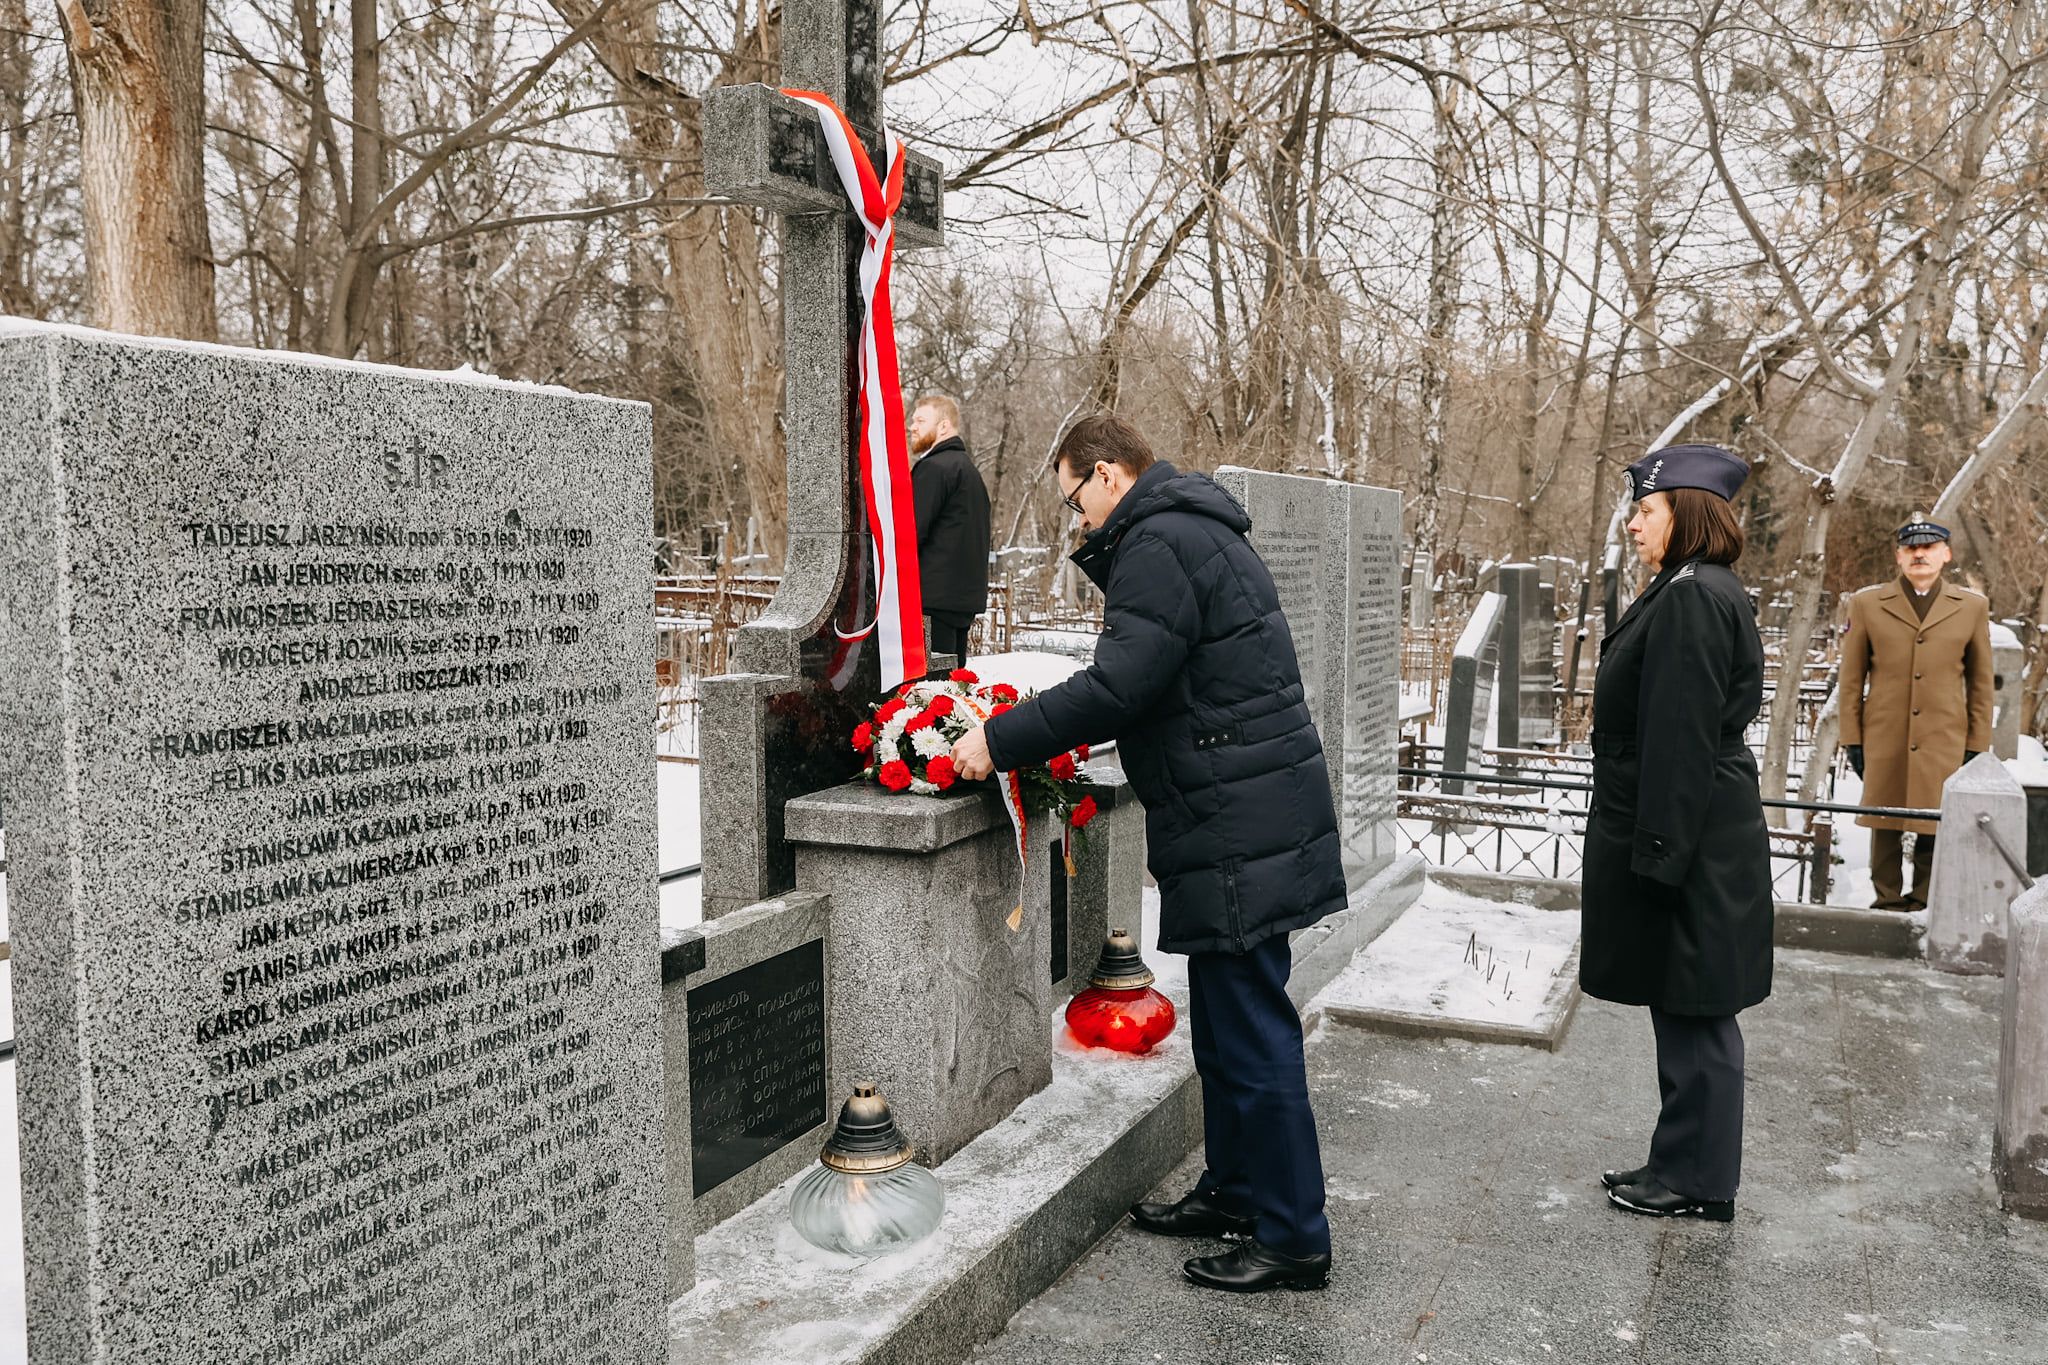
[(1470, 1225)]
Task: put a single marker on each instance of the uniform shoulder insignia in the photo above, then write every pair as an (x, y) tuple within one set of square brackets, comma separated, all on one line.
[(1683, 573)]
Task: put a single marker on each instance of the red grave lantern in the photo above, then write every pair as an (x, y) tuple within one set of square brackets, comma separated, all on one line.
[(1120, 1010)]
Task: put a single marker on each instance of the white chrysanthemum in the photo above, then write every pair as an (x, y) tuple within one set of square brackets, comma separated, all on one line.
[(929, 743)]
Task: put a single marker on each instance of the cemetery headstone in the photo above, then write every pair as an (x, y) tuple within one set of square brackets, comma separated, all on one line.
[(1614, 592), (1421, 591), (1474, 664), (1334, 552), (1372, 654), (1983, 827), (1528, 659), (2019, 1145), (802, 672), (331, 859), (2009, 690)]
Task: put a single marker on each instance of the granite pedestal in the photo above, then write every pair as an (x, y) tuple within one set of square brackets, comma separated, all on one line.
[(934, 997), (2019, 1145), (1982, 809)]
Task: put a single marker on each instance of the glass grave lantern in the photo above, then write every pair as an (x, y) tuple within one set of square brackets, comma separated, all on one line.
[(866, 1197), (1120, 1010)]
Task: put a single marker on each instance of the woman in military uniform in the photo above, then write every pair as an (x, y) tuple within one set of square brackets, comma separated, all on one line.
[(1677, 882)]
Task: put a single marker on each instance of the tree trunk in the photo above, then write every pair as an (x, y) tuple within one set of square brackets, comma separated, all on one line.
[(1433, 386), (138, 80), (15, 68)]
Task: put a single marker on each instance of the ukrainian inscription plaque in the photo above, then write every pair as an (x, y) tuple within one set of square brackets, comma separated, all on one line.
[(331, 870), (757, 1062)]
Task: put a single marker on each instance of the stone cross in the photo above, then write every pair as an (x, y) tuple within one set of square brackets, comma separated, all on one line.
[(777, 727)]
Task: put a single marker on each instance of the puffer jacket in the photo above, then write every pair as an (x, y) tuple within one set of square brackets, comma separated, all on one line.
[(1195, 678)]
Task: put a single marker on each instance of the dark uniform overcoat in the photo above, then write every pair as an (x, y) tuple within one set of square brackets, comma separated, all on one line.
[(1195, 678), (1677, 889), (1929, 694)]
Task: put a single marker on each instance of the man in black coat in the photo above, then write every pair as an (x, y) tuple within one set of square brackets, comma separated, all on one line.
[(1195, 678), (952, 524)]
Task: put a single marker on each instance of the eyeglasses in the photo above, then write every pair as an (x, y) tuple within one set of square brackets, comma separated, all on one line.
[(1073, 499)]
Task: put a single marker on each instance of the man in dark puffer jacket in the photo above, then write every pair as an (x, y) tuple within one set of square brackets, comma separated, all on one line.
[(1195, 678)]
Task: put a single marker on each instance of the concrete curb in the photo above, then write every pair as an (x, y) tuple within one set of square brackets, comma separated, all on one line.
[(1822, 928)]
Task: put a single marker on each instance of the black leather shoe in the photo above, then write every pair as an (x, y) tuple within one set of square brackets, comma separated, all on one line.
[(1635, 1177), (1251, 1266), (1194, 1216), (1652, 1199)]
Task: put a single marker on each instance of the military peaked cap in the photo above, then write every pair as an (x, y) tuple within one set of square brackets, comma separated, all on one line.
[(1691, 466), (1921, 531)]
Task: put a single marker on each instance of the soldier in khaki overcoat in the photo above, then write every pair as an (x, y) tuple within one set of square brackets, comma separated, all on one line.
[(1923, 648)]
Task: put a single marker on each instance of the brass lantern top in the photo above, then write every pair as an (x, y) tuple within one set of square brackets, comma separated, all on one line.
[(865, 1140), (1121, 967)]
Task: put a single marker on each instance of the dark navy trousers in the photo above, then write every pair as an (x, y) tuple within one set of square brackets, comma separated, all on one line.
[(1697, 1149), (1259, 1134)]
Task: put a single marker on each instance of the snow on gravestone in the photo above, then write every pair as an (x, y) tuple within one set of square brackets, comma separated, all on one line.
[(331, 859)]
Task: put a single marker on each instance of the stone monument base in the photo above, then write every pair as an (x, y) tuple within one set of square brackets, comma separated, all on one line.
[(1024, 1200)]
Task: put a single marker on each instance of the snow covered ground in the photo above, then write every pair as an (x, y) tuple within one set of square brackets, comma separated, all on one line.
[(1454, 957)]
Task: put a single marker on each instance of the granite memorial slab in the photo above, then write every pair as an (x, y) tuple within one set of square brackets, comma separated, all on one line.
[(331, 859), (745, 1007), (1368, 791), (1475, 660), (1301, 529), (1528, 658)]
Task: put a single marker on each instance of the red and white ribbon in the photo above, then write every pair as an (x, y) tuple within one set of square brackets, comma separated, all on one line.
[(884, 452)]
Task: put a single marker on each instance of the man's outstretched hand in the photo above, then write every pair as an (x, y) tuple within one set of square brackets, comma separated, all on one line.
[(970, 755)]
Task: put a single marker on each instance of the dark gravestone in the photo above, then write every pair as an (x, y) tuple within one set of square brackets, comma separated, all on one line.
[(1474, 663), (777, 728), (757, 1062)]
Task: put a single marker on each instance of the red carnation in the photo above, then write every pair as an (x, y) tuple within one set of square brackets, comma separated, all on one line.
[(889, 710), (895, 775), (939, 772), (941, 706), (963, 675), (998, 709), (1003, 692), (1081, 814), (863, 737), (921, 721), (1062, 767), (1082, 753)]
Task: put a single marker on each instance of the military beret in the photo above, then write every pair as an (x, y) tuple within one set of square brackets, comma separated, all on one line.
[(1706, 467), (1921, 531)]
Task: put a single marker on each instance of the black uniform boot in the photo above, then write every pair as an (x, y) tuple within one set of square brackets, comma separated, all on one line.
[(1196, 1215), (1652, 1199), (1252, 1266), (1635, 1177)]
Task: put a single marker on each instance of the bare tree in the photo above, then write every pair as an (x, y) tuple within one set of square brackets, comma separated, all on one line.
[(138, 78)]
